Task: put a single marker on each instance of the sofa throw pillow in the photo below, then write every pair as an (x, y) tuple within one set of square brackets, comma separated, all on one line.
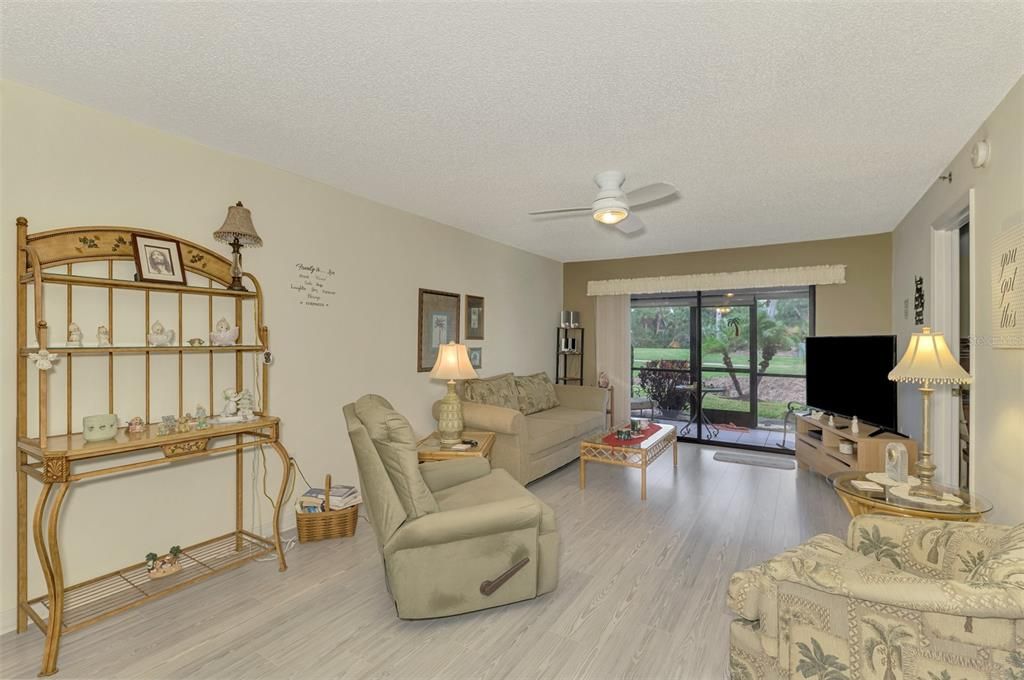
[(1006, 563), (536, 393), (396, 445), (497, 391)]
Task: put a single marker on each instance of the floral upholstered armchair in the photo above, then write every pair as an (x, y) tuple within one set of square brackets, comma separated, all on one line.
[(901, 599)]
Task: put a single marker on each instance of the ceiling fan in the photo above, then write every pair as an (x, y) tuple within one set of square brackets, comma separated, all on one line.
[(615, 207)]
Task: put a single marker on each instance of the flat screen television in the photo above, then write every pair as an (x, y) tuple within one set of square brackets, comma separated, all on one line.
[(848, 375)]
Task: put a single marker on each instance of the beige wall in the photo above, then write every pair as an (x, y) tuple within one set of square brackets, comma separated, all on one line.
[(861, 305), (65, 164), (998, 390)]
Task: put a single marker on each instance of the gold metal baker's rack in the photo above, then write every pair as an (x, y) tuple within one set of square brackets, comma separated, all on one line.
[(48, 258)]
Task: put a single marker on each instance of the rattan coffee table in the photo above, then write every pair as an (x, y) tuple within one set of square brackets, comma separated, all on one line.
[(638, 455)]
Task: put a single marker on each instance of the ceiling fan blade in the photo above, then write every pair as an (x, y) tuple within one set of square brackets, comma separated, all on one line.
[(650, 193), (631, 224), (560, 210)]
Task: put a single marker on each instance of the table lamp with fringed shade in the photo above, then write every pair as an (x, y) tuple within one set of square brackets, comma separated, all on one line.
[(237, 231), (927, 361), (452, 364)]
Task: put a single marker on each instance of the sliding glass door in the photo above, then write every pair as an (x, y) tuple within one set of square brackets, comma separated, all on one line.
[(723, 366), (662, 341)]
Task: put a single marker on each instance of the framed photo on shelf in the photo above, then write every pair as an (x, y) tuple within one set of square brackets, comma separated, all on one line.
[(158, 260), (474, 317), (476, 355), (438, 324)]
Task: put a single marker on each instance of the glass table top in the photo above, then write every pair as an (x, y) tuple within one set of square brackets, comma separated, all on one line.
[(972, 505), (648, 441)]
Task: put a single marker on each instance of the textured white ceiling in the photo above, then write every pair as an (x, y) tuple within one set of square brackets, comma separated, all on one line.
[(778, 121)]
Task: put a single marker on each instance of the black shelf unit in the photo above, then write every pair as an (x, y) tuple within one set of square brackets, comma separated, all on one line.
[(568, 343)]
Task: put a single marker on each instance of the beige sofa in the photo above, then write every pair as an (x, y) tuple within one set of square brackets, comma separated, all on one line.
[(530, 446)]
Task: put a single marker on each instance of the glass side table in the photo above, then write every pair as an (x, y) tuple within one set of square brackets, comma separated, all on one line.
[(886, 503)]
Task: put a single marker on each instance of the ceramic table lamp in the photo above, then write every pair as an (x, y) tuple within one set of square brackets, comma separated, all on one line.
[(928, 361), (238, 231), (452, 364)]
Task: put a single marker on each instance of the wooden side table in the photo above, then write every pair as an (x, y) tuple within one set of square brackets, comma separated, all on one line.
[(429, 448), (879, 502)]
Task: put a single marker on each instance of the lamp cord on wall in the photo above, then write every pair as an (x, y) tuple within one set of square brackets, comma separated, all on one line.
[(256, 518)]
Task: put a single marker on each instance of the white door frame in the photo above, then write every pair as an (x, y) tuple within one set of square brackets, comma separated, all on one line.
[(945, 319)]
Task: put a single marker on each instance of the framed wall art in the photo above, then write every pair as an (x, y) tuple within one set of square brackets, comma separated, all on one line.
[(476, 356), (438, 324), (158, 260), (474, 317)]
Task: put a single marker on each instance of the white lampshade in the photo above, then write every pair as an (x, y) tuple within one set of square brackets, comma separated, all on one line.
[(928, 359), (452, 363)]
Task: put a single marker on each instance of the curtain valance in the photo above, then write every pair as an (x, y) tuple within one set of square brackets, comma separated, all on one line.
[(756, 278)]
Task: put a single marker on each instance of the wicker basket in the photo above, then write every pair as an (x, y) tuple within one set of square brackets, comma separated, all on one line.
[(316, 526)]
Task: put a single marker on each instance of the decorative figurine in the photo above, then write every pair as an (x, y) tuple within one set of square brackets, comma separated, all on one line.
[(74, 335), (102, 337), (160, 337), (896, 462), (136, 425), (602, 380), (196, 342), (831, 421), (245, 404), (168, 424), (99, 428), (230, 404), (44, 359), (158, 567), (201, 416), (224, 333), (238, 406), (855, 425), (184, 423)]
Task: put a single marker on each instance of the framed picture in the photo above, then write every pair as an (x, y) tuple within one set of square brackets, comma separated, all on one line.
[(474, 317), (476, 356), (158, 260), (438, 324)]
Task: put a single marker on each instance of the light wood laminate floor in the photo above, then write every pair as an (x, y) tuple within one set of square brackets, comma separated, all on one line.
[(642, 593)]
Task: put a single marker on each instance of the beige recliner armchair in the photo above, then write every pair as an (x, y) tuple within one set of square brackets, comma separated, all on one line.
[(455, 535)]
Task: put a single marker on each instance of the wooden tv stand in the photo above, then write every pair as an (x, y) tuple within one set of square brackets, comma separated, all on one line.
[(817, 446)]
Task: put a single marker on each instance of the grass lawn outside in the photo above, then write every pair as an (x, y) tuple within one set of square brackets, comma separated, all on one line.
[(781, 363), (767, 410)]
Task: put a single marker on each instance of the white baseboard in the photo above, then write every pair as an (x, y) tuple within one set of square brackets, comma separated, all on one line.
[(8, 620)]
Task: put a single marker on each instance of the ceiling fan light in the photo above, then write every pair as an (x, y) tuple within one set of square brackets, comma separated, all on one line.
[(612, 215)]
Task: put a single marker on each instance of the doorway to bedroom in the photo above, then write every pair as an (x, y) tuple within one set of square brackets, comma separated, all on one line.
[(723, 366)]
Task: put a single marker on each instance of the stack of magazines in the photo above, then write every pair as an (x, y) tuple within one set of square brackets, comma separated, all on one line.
[(342, 496)]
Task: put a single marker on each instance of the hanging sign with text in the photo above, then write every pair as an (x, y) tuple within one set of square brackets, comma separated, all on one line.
[(313, 285), (1008, 289)]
